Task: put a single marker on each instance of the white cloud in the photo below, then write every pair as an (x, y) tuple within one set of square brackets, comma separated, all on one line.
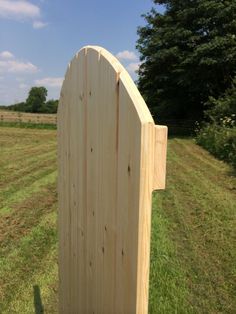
[(19, 10), (39, 24), (23, 86), (126, 55), (20, 79), (50, 81), (23, 67), (133, 67), (17, 67), (8, 64), (6, 55)]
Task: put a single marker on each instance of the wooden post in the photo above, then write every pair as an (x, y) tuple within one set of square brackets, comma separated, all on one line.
[(111, 158)]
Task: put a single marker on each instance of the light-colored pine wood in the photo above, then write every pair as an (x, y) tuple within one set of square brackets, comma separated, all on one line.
[(109, 163), (160, 149)]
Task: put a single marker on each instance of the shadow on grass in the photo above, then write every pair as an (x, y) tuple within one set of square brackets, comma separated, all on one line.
[(38, 306), (173, 136)]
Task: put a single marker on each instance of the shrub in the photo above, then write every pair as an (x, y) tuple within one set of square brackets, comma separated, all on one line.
[(219, 139), (221, 108)]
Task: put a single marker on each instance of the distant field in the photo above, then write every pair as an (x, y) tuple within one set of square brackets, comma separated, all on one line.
[(40, 118), (193, 255)]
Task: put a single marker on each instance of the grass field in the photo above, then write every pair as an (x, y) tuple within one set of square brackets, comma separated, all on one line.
[(193, 254), (28, 237), (11, 117)]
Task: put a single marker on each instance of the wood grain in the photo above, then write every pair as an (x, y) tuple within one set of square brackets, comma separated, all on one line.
[(107, 152)]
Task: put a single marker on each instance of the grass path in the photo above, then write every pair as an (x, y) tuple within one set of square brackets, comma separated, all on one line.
[(194, 224), (193, 249)]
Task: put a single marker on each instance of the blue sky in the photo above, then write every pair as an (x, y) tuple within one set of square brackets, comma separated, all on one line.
[(38, 38)]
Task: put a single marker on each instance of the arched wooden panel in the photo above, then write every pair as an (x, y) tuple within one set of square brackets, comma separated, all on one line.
[(111, 157)]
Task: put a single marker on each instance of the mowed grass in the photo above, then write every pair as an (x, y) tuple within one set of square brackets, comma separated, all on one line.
[(28, 235), (193, 251), (193, 254)]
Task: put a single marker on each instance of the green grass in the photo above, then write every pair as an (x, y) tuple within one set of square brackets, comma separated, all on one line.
[(193, 261), (28, 125), (193, 253), (168, 286), (28, 233)]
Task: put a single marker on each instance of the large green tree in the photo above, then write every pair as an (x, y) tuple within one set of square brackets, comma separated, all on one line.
[(188, 53), (50, 106), (36, 99)]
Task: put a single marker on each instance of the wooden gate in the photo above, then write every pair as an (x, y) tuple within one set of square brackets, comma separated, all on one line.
[(111, 158)]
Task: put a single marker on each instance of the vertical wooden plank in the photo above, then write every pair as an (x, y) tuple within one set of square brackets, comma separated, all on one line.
[(60, 187), (144, 224), (160, 149), (80, 169), (64, 212), (76, 112), (72, 211), (108, 119), (93, 160), (134, 202), (126, 249), (71, 159)]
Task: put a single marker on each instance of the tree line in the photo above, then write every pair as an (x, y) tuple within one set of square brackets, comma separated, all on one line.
[(188, 56), (36, 102), (188, 68)]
